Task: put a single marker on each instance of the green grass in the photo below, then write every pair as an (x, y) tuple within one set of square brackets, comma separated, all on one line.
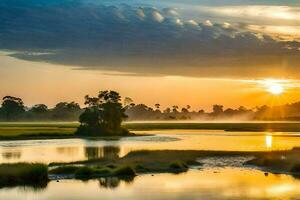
[(179, 165), (280, 162), (125, 170), (250, 126), (44, 130), (23, 174), (23, 130), (64, 170), (94, 171)]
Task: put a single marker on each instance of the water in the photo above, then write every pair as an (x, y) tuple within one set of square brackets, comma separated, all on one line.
[(218, 178), (213, 183), (67, 150)]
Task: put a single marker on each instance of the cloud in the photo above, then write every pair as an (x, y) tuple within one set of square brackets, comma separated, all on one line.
[(259, 12), (138, 39), (157, 16)]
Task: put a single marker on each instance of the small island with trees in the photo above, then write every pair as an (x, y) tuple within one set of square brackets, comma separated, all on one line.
[(103, 116)]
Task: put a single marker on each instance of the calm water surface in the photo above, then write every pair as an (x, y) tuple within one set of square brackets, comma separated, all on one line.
[(218, 178), (213, 183), (67, 150)]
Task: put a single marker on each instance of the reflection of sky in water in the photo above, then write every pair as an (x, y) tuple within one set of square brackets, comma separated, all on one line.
[(221, 183), (78, 149)]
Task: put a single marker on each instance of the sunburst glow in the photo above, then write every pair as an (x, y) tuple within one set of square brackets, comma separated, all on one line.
[(275, 89)]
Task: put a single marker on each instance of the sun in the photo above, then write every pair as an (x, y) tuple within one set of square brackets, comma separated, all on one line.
[(275, 88)]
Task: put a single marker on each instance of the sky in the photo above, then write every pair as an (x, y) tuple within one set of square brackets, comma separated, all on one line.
[(172, 52)]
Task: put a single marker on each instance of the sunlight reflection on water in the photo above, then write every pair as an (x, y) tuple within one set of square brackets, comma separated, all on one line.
[(66, 150), (221, 183)]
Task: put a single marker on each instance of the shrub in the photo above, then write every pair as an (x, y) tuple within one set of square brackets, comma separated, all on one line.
[(64, 170), (296, 168), (178, 166), (84, 172), (102, 171), (125, 170), (23, 174)]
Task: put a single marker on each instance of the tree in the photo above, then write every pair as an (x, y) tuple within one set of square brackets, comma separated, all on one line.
[(103, 115), (184, 110), (39, 109), (217, 109), (157, 106), (66, 111), (73, 107), (175, 109), (201, 111), (12, 107), (128, 101), (167, 110)]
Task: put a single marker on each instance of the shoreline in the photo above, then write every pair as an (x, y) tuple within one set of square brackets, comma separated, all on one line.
[(65, 130), (155, 162)]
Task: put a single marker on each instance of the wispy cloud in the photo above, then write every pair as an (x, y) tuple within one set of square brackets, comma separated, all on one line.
[(258, 13)]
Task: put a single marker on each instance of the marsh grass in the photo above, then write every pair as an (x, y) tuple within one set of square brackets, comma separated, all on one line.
[(178, 166), (23, 174), (230, 126), (125, 170), (295, 168), (85, 172), (44, 130), (278, 161), (64, 170)]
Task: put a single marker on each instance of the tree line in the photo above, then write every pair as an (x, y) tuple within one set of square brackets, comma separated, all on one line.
[(14, 109)]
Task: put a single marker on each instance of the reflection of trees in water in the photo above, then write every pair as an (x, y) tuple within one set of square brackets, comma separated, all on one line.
[(296, 176), (8, 155), (38, 187), (114, 182), (68, 150), (109, 152)]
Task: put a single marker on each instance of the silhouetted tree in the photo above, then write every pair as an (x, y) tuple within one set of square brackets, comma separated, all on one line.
[(157, 106), (103, 115), (167, 110), (217, 109), (66, 111), (12, 107), (39, 109), (201, 111), (127, 101), (174, 109), (184, 110), (140, 112)]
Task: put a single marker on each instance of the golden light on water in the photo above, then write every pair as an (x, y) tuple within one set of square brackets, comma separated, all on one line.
[(269, 141)]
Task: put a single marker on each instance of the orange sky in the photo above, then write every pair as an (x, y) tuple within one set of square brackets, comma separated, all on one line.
[(47, 83)]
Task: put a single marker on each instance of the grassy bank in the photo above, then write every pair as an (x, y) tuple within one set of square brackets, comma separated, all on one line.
[(158, 161), (85, 172), (280, 162), (251, 126), (23, 174), (48, 130), (23, 130), (139, 162)]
